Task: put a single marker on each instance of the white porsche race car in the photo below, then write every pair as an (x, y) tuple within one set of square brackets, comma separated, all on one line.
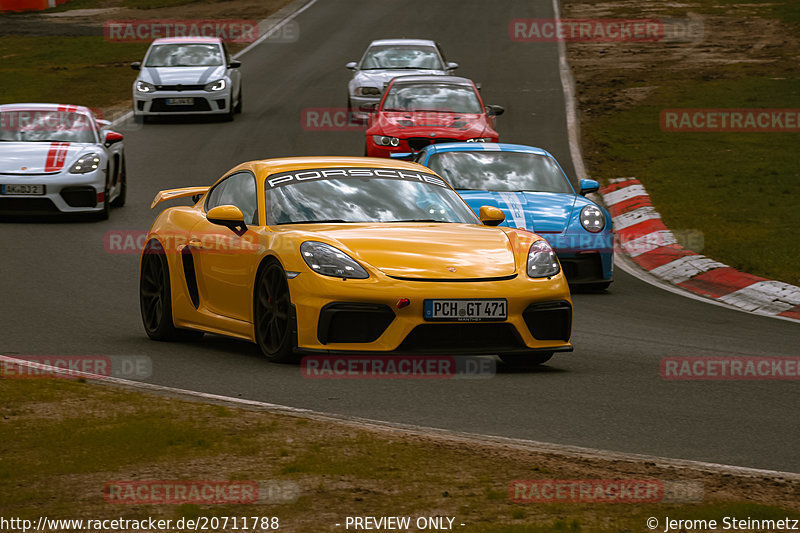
[(59, 159)]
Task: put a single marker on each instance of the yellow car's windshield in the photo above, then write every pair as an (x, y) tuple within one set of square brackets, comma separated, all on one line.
[(363, 197)]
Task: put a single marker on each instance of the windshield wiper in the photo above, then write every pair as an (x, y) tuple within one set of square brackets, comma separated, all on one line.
[(312, 222)]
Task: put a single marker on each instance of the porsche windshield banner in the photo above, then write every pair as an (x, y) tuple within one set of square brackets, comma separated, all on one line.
[(317, 174)]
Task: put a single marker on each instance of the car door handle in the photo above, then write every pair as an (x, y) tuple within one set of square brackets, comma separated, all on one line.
[(195, 243)]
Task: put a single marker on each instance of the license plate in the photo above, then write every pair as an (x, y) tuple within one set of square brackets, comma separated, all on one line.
[(465, 310), (21, 189), (180, 101)]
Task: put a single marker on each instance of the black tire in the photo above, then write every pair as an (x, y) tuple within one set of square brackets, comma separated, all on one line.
[(119, 201), (238, 108), (155, 298), (272, 314), (525, 360)]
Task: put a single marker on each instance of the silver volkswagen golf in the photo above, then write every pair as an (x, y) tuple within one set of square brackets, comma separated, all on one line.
[(386, 59), (187, 76)]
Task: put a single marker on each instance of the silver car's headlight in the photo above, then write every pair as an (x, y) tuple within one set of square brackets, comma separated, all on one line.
[(385, 140), (592, 219), (542, 261), (144, 87), (87, 163), (367, 91), (216, 85), (330, 261)]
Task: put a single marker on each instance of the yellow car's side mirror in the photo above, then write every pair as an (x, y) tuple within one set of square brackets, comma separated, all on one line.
[(229, 216), (491, 216)]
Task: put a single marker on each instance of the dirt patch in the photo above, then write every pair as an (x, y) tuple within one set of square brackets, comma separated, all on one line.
[(604, 70)]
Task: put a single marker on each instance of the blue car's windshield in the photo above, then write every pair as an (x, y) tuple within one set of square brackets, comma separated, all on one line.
[(500, 171), (364, 199), (401, 57)]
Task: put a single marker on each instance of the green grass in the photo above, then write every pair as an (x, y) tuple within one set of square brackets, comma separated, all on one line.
[(67, 439), (739, 189), (74, 70)]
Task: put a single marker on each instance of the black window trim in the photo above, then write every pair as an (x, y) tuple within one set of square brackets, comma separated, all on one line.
[(223, 180)]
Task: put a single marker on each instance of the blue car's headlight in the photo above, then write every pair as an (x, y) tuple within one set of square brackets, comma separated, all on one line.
[(592, 219), (87, 163), (542, 261), (216, 85), (330, 261)]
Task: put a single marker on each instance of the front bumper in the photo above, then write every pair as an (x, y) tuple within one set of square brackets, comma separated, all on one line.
[(64, 193), (205, 103), (334, 315)]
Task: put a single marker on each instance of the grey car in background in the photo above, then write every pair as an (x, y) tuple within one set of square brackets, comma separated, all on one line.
[(385, 59)]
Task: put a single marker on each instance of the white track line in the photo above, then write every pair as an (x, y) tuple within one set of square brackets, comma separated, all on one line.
[(560, 450)]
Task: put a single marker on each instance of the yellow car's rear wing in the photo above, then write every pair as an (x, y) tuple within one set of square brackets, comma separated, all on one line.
[(171, 194)]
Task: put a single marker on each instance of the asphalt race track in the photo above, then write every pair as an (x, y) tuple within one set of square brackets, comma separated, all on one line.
[(62, 293)]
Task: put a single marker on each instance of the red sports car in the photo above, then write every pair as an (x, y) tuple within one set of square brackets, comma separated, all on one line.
[(420, 110)]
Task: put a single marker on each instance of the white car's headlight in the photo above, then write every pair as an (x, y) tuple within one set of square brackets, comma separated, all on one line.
[(216, 85), (367, 91), (542, 261), (480, 140), (87, 163), (144, 87), (330, 261), (385, 140), (592, 219)]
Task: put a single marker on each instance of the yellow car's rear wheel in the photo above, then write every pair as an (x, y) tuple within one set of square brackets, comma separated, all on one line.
[(273, 314), (155, 298)]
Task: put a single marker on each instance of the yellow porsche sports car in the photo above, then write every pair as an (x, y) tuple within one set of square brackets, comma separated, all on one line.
[(348, 255)]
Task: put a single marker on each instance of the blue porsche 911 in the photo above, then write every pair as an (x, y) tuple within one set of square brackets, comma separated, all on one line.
[(529, 185)]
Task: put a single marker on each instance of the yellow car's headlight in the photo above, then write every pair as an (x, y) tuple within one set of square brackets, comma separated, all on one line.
[(330, 261), (542, 261)]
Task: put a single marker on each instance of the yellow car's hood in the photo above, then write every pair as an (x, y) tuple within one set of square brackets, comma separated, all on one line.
[(430, 251)]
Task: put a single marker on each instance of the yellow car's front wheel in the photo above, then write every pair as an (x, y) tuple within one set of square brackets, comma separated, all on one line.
[(272, 310)]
